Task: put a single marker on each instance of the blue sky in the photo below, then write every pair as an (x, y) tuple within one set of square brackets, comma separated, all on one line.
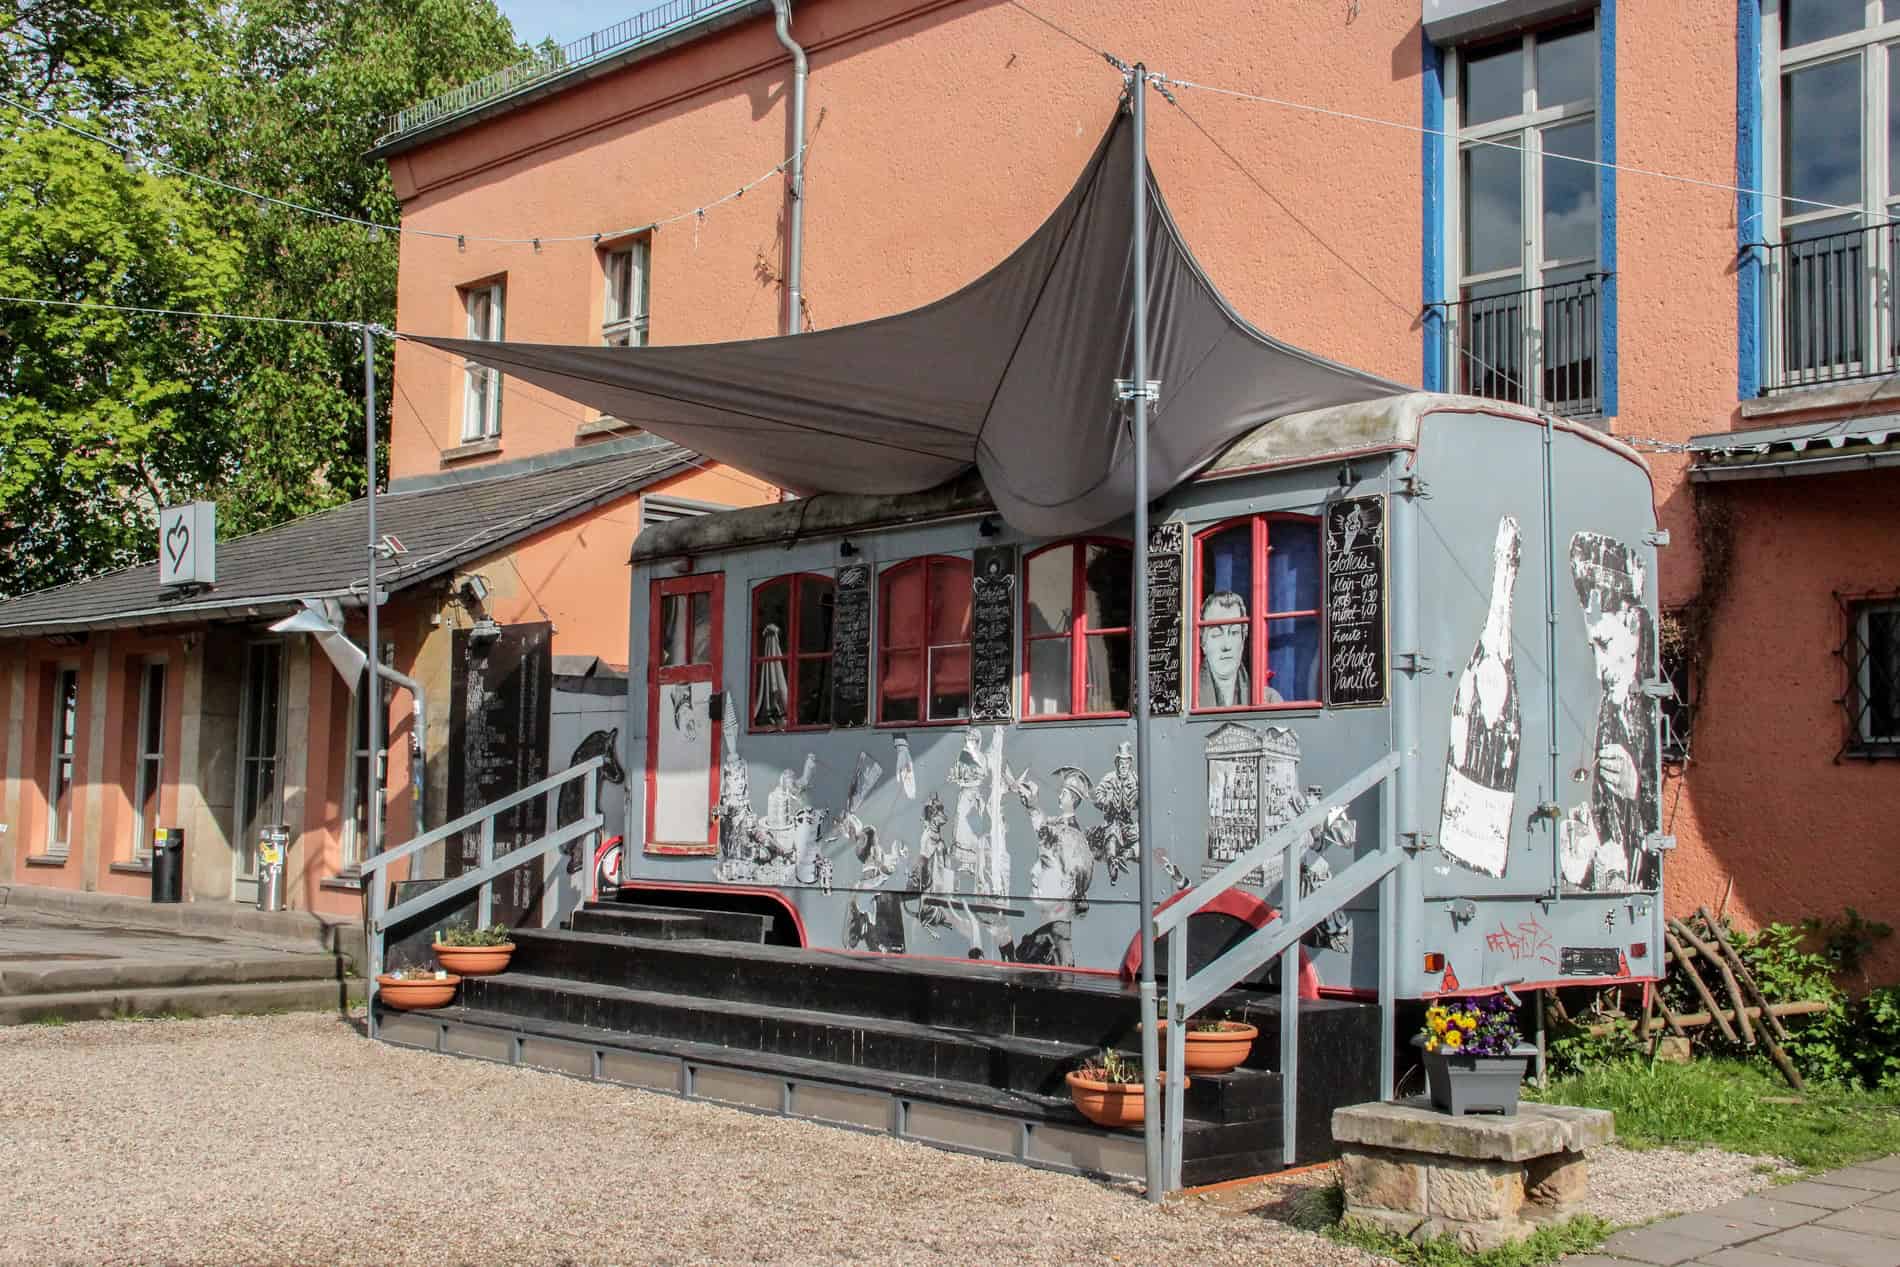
[(564, 20)]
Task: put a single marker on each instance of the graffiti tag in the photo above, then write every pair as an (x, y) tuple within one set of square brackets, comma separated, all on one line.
[(1529, 940)]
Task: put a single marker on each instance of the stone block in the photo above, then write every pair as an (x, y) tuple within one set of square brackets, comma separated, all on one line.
[(1474, 1238), (1413, 1125), (1557, 1179), (1674, 1051), (1397, 1222), (1474, 1191), (1391, 1181)]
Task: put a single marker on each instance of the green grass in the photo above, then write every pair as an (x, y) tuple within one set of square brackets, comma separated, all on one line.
[(52, 1020), (1738, 1106)]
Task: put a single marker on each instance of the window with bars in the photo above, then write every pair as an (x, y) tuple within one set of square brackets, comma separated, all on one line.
[(1871, 651), (791, 652), (623, 321), (481, 391), (150, 775), (1077, 630), (64, 747), (1524, 326)]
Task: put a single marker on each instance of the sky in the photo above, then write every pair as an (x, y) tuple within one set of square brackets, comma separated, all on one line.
[(565, 20)]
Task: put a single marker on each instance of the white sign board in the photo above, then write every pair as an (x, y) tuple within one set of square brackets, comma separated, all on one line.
[(188, 544)]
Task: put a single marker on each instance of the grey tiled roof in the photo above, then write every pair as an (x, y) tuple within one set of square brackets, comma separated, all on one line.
[(326, 554)]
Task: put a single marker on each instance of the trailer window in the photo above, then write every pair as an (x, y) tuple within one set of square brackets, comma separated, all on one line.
[(1076, 629), (791, 652), (1256, 615), (924, 640)]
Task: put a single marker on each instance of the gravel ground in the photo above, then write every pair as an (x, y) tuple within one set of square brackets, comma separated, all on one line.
[(291, 1139), (1630, 1185)]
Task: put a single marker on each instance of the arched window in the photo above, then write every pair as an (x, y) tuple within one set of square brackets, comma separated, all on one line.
[(923, 639), (1076, 629), (791, 652), (1257, 613)]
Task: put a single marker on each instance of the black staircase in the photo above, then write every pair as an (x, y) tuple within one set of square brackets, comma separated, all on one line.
[(966, 1056)]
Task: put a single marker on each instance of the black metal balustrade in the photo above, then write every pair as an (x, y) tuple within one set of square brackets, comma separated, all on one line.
[(1534, 347), (1834, 307)]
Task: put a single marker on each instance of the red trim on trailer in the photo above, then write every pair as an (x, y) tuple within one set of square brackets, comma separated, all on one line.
[(793, 658), (1563, 983), (713, 585), (1077, 634), (656, 886), (1249, 910), (1258, 616)]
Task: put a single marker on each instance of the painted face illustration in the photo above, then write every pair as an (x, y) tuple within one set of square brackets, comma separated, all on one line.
[(1059, 880), (1223, 646), (1615, 637)]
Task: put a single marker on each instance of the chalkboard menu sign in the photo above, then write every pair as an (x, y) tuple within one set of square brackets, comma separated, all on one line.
[(1167, 589), (851, 647), (500, 693), (992, 632), (1355, 602)]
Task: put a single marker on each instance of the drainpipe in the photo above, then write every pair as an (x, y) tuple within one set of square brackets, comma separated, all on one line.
[(795, 229)]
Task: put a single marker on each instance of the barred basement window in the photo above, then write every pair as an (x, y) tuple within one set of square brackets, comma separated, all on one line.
[(1871, 652), (1679, 662)]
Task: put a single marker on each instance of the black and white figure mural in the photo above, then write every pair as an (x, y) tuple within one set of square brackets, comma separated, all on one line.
[(1604, 833), (1064, 868), (1486, 729), (1116, 841)]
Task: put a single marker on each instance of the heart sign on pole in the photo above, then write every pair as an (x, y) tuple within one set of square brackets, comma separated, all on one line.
[(187, 544)]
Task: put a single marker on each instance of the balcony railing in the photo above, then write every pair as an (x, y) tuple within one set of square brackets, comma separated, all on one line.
[(1535, 347), (1834, 315)]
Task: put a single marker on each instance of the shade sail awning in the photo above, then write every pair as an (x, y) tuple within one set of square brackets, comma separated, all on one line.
[(1014, 374)]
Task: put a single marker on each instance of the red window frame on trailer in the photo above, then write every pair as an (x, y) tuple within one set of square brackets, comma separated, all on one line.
[(713, 586), (1078, 632), (913, 638), (795, 660), (1259, 616)]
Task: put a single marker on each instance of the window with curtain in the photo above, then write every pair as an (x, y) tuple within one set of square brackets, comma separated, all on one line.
[(150, 756), (924, 640), (481, 390), (1077, 631), (791, 652), (1256, 637), (64, 745)]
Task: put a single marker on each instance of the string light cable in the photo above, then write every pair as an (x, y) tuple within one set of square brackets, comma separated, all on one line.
[(132, 156)]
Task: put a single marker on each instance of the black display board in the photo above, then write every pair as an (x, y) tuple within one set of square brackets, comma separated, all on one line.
[(851, 647), (992, 632), (1355, 602), (1167, 592), (500, 692)]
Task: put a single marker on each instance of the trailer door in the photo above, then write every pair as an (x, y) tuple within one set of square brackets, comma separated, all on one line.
[(686, 629)]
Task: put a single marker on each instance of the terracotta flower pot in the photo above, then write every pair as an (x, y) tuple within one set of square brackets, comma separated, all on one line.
[(1114, 1104), (474, 961), (1216, 1050), (406, 992)]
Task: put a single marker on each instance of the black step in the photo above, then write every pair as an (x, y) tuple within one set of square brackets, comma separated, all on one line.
[(1245, 1095), (633, 920)]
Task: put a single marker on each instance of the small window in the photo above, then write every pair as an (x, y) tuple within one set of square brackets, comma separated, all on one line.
[(356, 823), (150, 757), (1679, 668), (64, 740), (1872, 699), (481, 395), (791, 652), (623, 321), (924, 640), (1257, 613), (686, 629), (1077, 634)]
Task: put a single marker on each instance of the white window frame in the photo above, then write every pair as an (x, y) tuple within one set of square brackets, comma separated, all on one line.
[(354, 842), (624, 307), (481, 386), (1876, 206), (63, 745), (245, 844), (149, 775), (1529, 125)]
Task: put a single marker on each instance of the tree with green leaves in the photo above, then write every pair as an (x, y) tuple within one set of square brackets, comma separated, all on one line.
[(104, 416)]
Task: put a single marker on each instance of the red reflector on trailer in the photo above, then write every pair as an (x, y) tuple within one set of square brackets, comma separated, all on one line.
[(1434, 963), (1639, 950)]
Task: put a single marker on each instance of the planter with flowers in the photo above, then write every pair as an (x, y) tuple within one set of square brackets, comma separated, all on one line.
[(416, 987), (1474, 1055), (474, 952), (1215, 1046), (1110, 1092)]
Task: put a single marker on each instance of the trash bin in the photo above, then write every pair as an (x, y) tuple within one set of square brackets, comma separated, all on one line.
[(272, 844), (168, 865)]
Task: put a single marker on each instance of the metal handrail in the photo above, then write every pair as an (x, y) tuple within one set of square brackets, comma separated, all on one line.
[(543, 849), (1836, 314), (1188, 994), (1539, 346)]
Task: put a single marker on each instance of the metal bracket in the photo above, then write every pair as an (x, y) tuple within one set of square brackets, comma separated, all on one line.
[(1414, 486), (1416, 841), (1658, 842), (1125, 389), (1547, 809), (1463, 911), (1656, 537), (1412, 662), (1661, 688)]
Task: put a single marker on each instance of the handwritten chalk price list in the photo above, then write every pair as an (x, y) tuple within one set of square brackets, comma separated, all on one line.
[(1355, 602)]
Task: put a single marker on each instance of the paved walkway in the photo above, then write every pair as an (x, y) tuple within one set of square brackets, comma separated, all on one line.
[(1845, 1218)]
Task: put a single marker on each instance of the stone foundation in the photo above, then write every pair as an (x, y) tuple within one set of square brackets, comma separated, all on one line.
[(1482, 1181)]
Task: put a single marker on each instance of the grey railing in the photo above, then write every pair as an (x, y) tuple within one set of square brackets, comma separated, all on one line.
[(1836, 314), (1536, 347), (1188, 994), (548, 62), (544, 849)]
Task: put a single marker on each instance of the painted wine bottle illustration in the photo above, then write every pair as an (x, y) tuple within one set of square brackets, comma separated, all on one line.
[(1486, 730)]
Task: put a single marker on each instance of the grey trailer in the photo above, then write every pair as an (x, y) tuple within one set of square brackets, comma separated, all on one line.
[(1421, 628)]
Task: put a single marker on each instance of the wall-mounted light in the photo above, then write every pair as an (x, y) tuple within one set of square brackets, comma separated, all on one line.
[(987, 526), (475, 589), (1346, 477), (483, 632), (683, 564), (846, 549)]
